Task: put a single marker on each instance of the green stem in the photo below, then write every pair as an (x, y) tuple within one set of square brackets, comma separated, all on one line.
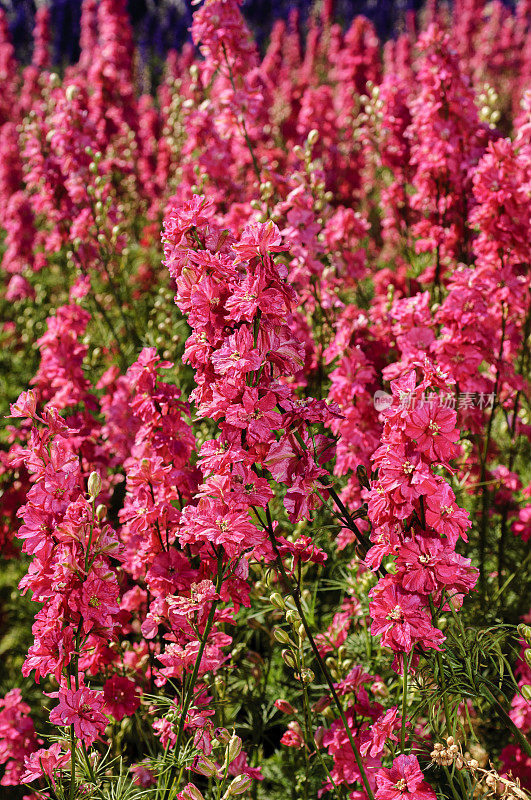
[(190, 691), (72, 762), (405, 667), (524, 741), (309, 733), (241, 120), (322, 665), (483, 473), (447, 713)]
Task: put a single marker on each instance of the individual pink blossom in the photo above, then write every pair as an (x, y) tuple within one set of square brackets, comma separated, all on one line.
[(121, 697), (47, 761), (402, 781), (402, 618), (434, 431), (81, 708)]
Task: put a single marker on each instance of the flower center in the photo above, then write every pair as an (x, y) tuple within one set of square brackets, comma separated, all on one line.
[(395, 614), (408, 467), (434, 428), (94, 602), (401, 785)]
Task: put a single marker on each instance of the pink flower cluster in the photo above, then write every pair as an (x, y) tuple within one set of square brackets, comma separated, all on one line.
[(340, 221), (416, 518)]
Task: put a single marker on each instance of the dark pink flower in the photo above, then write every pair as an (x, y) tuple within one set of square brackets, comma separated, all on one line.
[(121, 697), (82, 709), (404, 781), (402, 618)]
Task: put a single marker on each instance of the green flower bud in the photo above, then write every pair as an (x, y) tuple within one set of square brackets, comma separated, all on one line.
[(277, 600), (235, 747), (239, 785), (526, 692), (307, 676), (191, 792), (288, 658), (525, 632), (282, 637), (94, 485)]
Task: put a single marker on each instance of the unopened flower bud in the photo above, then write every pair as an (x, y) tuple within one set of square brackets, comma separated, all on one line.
[(100, 512), (313, 137), (239, 785), (525, 632), (285, 707), (288, 659), (191, 792), (526, 692), (307, 676), (321, 704), (277, 600), (527, 656), (319, 736), (235, 747), (281, 636), (292, 617), (205, 766), (222, 735), (94, 485)]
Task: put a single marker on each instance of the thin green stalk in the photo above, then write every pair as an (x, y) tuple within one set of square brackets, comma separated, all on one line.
[(72, 762), (447, 712), (483, 473), (405, 668), (307, 721), (524, 741), (241, 120), (190, 691), (322, 665)]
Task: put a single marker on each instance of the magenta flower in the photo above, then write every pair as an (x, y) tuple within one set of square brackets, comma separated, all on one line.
[(404, 781), (402, 618), (434, 431), (121, 697), (82, 709), (46, 761)]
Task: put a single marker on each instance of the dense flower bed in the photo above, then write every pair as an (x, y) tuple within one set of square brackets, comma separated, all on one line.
[(265, 485)]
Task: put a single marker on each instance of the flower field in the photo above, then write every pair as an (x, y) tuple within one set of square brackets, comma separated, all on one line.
[(264, 462)]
